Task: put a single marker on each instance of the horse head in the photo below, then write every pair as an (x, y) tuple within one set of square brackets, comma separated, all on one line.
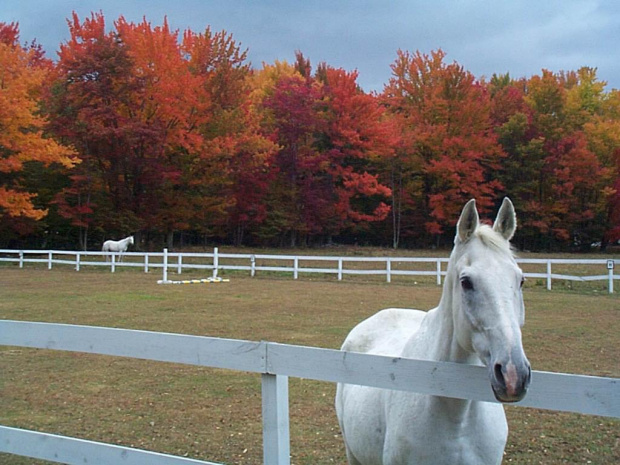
[(488, 308)]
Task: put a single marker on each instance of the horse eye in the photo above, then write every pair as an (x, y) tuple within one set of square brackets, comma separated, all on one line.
[(466, 284)]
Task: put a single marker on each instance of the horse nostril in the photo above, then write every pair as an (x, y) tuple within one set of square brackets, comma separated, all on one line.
[(499, 376)]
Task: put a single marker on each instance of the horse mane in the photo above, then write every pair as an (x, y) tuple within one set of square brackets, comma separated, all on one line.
[(493, 239)]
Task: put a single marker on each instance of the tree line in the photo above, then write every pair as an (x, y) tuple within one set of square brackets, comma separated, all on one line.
[(174, 136)]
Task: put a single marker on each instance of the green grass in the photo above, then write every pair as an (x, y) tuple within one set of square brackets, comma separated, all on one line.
[(214, 414)]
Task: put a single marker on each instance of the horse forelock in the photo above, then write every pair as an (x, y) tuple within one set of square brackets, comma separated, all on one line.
[(493, 239), (489, 238)]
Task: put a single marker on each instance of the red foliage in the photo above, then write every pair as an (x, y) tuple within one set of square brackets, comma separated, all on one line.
[(177, 132)]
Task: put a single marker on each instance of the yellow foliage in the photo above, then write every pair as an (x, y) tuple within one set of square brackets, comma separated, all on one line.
[(21, 128), (263, 81)]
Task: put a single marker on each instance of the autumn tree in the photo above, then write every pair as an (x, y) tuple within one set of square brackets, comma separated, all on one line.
[(403, 173), (602, 132), (146, 110), (522, 169), (446, 116), (357, 138), (91, 106), (168, 112), (552, 174), (329, 132), (236, 156), (178, 136), (23, 141), (296, 194)]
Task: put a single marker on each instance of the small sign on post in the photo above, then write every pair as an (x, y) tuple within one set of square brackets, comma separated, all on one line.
[(610, 264)]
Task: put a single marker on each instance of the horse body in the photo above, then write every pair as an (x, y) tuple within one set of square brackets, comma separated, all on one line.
[(117, 246), (478, 321)]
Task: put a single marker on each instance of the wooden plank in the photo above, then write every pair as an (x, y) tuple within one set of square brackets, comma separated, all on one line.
[(591, 395), (274, 268), (415, 273), (68, 450), (316, 270), (365, 259), (359, 272), (397, 373), (564, 392), (420, 260), (274, 257), (563, 261), (244, 256), (198, 255), (535, 275), (164, 347), (552, 391), (234, 267)]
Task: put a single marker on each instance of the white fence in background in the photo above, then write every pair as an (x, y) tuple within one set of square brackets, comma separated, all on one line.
[(295, 264), (276, 362)]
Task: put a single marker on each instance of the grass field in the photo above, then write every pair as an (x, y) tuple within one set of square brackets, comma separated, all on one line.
[(215, 414)]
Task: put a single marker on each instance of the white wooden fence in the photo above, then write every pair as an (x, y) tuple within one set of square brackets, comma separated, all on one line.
[(276, 362), (294, 264)]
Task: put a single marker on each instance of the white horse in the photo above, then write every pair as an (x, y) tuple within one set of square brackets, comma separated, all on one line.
[(478, 320), (117, 246)]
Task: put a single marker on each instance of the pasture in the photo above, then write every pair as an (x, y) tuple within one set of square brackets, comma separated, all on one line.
[(215, 414)]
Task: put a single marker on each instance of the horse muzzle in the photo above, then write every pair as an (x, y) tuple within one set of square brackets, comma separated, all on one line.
[(510, 380)]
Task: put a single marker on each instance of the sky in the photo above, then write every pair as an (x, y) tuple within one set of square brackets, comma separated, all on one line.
[(519, 37)]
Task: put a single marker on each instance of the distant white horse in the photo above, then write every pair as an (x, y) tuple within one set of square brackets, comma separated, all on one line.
[(117, 246), (478, 320)]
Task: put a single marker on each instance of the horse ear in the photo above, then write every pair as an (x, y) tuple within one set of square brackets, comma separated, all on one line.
[(468, 221), (506, 221)]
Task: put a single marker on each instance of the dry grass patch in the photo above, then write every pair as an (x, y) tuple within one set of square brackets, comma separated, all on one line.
[(215, 414)]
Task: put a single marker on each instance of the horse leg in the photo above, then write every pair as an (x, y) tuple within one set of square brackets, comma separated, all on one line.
[(351, 458)]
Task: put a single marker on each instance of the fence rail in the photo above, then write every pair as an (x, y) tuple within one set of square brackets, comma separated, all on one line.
[(297, 264), (276, 362)]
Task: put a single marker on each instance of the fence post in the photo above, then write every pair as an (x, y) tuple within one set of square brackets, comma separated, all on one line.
[(388, 271), (21, 258), (276, 436), (216, 262), (77, 261), (180, 264), (610, 268), (49, 260), (295, 268), (165, 266), (146, 262), (548, 275), (252, 265), (339, 269), (113, 262), (438, 272)]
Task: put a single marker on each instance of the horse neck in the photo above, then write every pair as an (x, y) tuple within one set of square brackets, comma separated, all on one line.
[(437, 338)]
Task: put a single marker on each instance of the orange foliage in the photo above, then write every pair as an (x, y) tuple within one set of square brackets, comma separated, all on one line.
[(21, 139)]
